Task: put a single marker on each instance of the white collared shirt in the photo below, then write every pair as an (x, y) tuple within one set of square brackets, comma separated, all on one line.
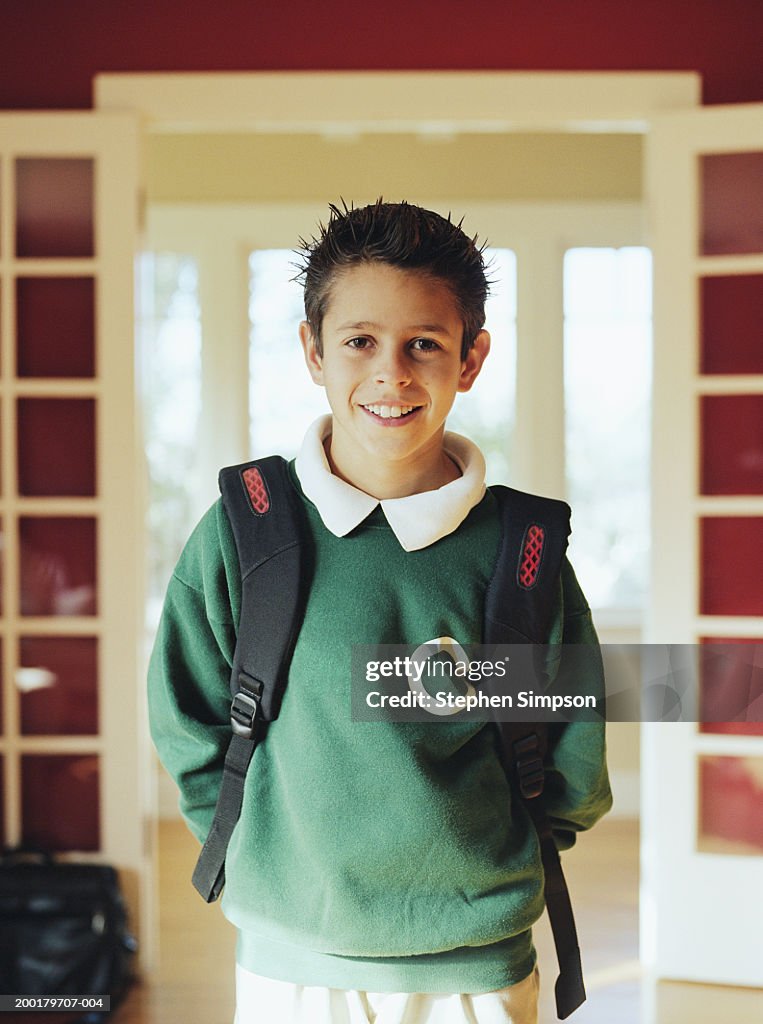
[(417, 520)]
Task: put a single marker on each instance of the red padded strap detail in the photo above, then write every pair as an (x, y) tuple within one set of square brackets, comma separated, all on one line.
[(256, 489), (532, 550)]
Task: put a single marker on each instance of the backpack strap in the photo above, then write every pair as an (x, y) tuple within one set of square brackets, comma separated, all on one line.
[(520, 600), (264, 513), (521, 595)]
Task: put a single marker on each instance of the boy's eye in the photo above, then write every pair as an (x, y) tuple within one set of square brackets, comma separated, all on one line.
[(358, 343), (425, 345)]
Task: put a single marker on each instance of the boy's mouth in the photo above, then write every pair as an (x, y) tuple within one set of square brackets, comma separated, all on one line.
[(391, 413)]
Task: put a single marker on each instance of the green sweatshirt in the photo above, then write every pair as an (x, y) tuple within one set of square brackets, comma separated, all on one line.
[(381, 856)]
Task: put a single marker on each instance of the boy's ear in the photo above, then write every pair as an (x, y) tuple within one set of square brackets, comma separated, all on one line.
[(475, 357), (310, 349)]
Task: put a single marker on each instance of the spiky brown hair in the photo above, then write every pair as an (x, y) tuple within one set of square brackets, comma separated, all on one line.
[(401, 235)]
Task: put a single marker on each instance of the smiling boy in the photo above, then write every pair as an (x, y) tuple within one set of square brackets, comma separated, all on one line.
[(379, 871)]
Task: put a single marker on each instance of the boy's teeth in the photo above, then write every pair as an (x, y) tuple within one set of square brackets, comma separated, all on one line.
[(387, 412)]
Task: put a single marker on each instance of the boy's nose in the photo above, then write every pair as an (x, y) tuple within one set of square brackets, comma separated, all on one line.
[(392, 369)]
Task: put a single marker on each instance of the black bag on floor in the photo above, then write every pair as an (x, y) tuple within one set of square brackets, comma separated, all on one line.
[(63, 928)]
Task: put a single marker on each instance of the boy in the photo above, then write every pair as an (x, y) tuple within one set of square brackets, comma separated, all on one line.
[(378, 871)]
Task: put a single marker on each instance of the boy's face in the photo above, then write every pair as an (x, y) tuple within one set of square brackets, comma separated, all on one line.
[(391, 364)]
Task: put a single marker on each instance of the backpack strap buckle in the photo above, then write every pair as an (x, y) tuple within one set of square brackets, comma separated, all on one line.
[(245, 706), (528, 761)]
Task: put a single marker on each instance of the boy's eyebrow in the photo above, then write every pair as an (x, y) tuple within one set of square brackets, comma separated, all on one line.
[(360, 325)]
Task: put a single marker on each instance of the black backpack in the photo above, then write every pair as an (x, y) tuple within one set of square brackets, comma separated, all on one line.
[(265, 512)]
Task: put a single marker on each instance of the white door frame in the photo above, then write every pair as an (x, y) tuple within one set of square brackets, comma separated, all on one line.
[(423, 102)]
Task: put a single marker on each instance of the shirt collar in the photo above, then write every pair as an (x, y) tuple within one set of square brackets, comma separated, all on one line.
[(417, 520)]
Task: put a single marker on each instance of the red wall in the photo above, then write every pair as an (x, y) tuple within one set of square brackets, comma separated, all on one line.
[(51, 49)]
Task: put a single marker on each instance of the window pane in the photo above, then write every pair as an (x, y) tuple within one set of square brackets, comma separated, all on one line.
[(55, 326), (731, 685), (731, 312), (58, 565), (170, 345), (731, 805), (730, 557), (60, 806), (486, 413), (56, 446), (732, 203), (54, 206), (607, 372), (57, 680), (731, 451), (283, 400)]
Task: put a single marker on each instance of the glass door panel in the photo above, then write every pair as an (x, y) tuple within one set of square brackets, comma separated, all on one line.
[(58, 565), (60, 804), (731, 315), (731, 686), (731, 444), (56, 447), (54, 207), (732, 203), (731, 556), (57, 680), (55, 326), (731, 805)]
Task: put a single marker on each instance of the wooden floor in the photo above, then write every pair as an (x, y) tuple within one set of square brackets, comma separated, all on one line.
[(194, 984)]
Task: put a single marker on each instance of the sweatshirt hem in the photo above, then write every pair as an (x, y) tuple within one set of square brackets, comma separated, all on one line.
[(466, 969)]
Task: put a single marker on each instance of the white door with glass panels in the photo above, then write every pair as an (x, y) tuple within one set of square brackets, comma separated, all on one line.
[(72, 746), (702, 881)]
